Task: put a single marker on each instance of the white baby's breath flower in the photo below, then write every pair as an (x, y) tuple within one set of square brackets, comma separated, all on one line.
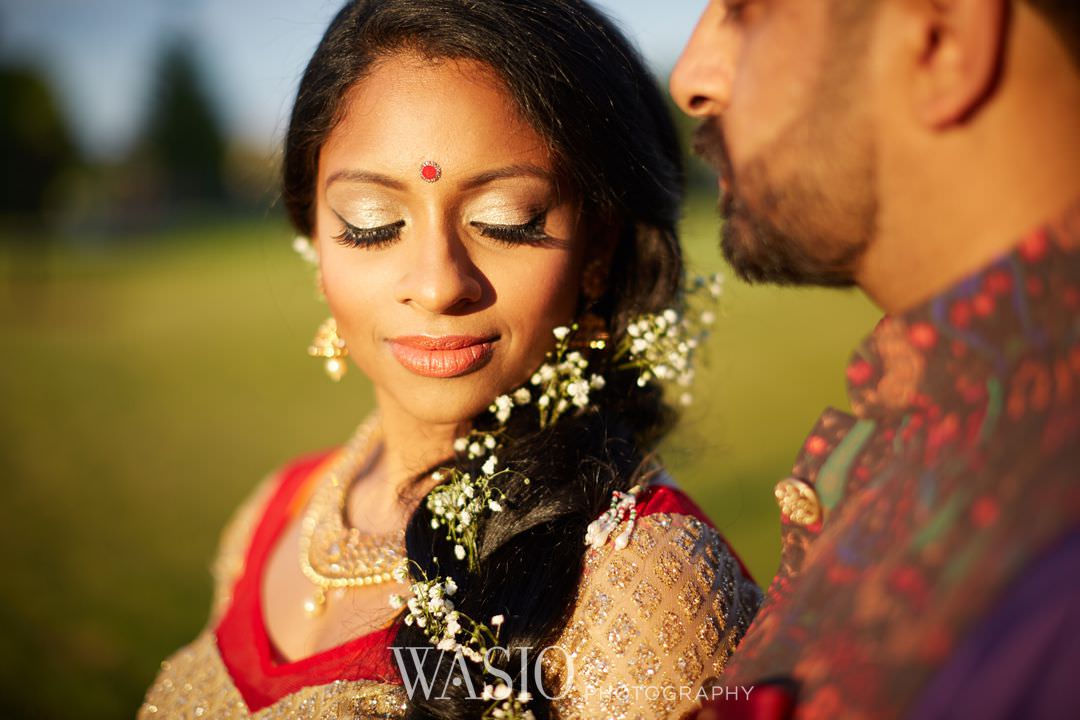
[(561, 332), (497, 620), (460, 444), (489, 465), (495, 506), (459, 551), (303, 247), (396, 601), (502, 407), (522, 396)]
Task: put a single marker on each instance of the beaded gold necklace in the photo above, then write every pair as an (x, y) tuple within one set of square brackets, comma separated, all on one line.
[(333, 555)]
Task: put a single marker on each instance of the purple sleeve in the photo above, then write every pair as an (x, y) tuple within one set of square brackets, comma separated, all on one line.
[(1022, 660)]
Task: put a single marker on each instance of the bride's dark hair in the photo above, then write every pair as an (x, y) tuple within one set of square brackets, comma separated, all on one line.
[(585, 90)]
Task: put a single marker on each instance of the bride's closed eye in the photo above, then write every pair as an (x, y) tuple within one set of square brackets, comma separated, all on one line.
[(375, 237), (527, 233)]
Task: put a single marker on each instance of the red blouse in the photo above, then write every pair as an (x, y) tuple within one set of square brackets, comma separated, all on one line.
[(254, 664)]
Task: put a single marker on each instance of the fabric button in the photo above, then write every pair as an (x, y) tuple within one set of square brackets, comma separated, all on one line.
[(798, 502)]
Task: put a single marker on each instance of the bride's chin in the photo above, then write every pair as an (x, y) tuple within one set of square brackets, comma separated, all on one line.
[(446, 408)]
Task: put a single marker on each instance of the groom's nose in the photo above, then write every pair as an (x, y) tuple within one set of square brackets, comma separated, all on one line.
[(701, 80)]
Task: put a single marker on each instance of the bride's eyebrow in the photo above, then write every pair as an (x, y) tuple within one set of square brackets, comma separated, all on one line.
[(363, 176), (469, 183), (510, 171)]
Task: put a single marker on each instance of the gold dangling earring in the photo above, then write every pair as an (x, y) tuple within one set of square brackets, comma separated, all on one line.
[(329, 345)]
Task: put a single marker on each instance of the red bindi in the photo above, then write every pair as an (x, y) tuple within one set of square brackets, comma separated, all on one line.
[(430, 171)]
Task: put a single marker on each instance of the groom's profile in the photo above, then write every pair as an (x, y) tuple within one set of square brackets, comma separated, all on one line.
[(927, 151)]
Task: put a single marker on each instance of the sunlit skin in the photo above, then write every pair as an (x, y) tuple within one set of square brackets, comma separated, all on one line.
[(491, 251), (909, 159)]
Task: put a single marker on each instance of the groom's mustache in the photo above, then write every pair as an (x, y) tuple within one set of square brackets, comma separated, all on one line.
[(711, 146)]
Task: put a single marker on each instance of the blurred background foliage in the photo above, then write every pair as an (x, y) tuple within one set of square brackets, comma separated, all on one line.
[(153, 327)]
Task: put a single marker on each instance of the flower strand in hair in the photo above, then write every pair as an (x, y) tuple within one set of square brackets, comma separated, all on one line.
[(661, 347)]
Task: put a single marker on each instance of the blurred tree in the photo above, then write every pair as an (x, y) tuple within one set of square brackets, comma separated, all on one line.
[(37, 149), (183, 140)]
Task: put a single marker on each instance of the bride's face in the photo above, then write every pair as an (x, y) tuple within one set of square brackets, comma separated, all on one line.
[(446, 282)]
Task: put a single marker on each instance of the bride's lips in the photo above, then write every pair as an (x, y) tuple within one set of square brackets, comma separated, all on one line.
[(442, 357)]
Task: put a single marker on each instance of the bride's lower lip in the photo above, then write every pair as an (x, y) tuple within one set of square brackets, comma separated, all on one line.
[(442, 363)]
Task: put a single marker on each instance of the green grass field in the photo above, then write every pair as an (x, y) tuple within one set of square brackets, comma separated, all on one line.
[(147, 386)]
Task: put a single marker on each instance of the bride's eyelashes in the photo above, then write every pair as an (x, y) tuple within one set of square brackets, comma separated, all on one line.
[(376, 237), (528, 233)]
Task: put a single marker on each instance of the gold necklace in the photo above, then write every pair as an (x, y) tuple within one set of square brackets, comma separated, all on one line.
[(333, 555)]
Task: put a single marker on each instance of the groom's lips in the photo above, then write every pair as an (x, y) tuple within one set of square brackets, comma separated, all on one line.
[(444, 356)]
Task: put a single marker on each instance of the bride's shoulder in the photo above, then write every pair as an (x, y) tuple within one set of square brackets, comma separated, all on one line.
[(663, 601), (657, 511), (660, 524), (277, 486)]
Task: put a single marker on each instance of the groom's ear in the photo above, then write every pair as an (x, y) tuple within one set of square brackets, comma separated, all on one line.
[(957, 49)]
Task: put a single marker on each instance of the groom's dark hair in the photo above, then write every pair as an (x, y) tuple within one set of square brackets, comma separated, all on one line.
[(1064, 15)]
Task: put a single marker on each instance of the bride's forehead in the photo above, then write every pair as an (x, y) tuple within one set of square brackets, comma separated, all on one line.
[(457, 113)]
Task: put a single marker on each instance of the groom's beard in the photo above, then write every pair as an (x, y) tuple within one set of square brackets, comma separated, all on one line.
[(775, 243)]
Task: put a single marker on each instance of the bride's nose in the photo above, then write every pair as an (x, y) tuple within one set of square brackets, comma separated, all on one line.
[(439, 275)]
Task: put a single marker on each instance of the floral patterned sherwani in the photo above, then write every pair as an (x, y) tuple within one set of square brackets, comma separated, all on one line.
[(917, 531)]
